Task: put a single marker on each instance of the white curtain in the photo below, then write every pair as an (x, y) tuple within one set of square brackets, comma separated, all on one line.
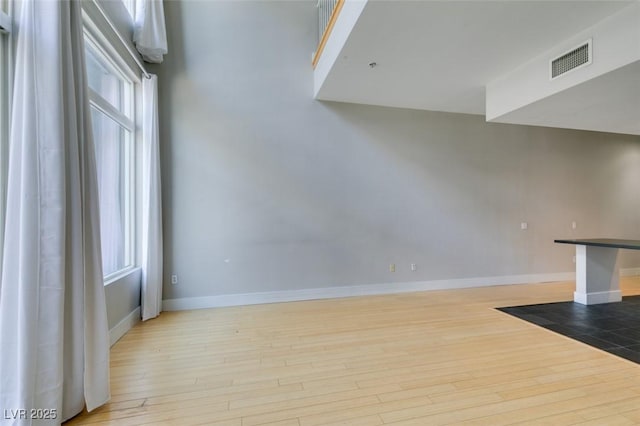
[(53, 327), (151, 203), (149, 32)]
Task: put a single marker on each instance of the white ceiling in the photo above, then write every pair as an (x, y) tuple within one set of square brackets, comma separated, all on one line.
[(440, 55)]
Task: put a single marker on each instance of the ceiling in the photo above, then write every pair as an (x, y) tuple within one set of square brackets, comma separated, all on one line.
[(440, 55)]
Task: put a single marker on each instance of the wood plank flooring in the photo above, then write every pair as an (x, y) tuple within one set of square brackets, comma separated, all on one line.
[(428, 358)]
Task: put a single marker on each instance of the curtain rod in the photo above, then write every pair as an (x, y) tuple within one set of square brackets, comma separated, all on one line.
[(134, 55)]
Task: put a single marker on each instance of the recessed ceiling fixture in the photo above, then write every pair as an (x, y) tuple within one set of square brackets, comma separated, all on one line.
[(372, 64)]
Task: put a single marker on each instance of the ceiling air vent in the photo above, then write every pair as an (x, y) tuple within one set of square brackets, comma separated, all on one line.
[(575, 58)]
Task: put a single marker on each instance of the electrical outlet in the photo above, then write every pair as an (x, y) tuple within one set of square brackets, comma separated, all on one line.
[(413, 267), (392, 267), (174, 279), (524, 225), (574, 225)]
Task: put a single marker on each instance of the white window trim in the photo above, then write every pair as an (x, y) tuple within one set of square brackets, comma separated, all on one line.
[(100, 42), (104, 106)]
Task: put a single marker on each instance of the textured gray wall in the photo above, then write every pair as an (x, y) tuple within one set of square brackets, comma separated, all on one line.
[(267, 189)]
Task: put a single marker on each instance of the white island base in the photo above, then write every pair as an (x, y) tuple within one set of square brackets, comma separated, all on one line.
[(597, 275), (597, 269)]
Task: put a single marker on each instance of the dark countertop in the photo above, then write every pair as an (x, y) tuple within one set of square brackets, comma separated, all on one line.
[(604, 242)]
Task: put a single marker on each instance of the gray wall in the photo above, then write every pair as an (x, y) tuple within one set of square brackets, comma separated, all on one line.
[(267, 189), (122, 297)]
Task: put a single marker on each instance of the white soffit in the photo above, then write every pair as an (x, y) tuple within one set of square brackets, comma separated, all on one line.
[(601, 95), (607, 103), (440, 55)]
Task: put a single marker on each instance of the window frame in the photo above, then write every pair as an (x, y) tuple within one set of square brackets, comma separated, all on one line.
[(128, 119)]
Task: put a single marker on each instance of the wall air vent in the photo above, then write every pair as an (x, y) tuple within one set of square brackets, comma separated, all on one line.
[(569, 61)]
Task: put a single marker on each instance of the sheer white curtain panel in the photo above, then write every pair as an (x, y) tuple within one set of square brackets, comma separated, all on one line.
[(149, 32), (151, 203), (53, 324)]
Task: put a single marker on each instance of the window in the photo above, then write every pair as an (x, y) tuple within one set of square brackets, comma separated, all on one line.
[(111, 96)]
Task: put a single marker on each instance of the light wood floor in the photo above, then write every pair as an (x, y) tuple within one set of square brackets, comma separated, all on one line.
[(429, 358)]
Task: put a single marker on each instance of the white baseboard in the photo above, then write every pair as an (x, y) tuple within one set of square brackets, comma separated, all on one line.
[(123, 326), (359, 290)]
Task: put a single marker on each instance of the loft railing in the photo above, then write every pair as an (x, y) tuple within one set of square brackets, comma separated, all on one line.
[(325, 9), (328, 11)]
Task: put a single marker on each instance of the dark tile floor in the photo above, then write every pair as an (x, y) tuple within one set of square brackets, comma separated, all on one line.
[(612, 327)]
